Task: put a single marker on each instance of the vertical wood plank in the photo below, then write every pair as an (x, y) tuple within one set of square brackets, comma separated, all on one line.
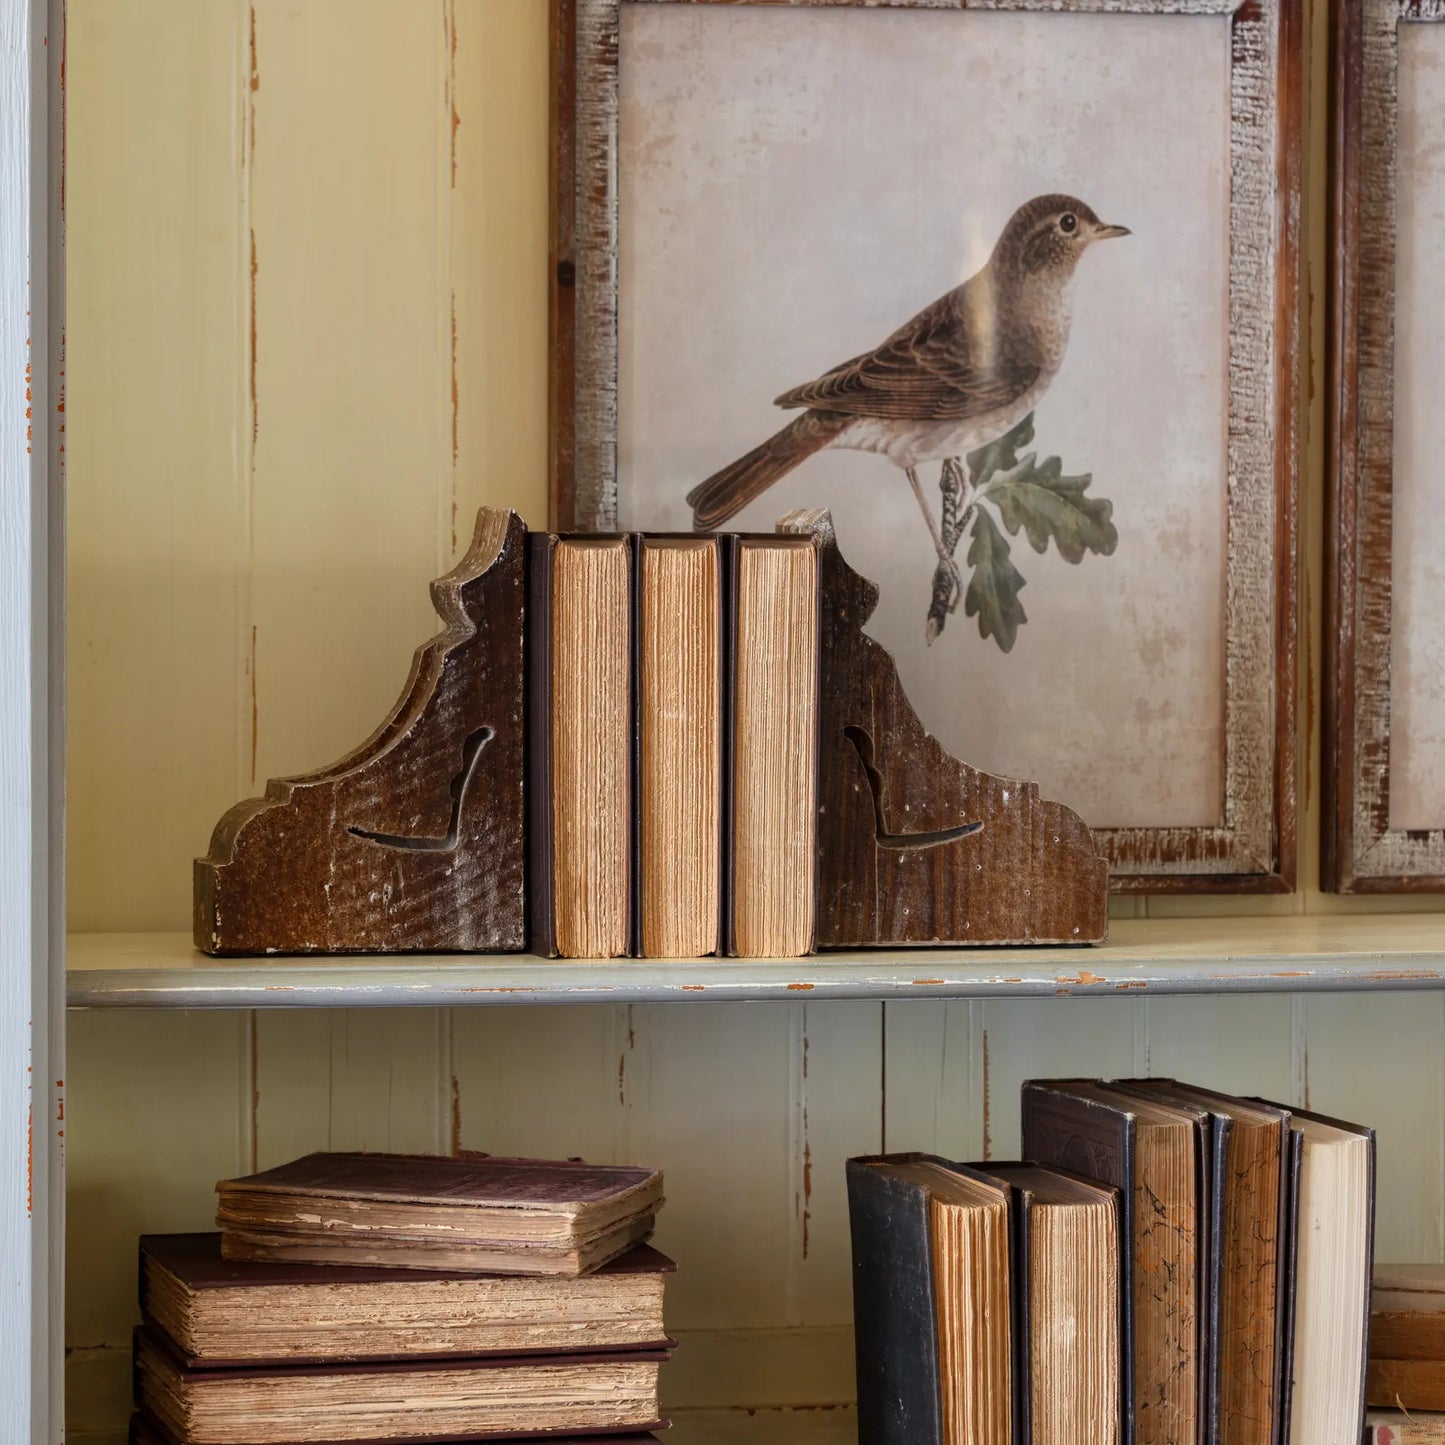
[(1052, 1038), (936, 1085), (156, 509), (157, 1110), (1378, 1059), (1237, 1045), (351, 1079), (500, 70), (351, 424)]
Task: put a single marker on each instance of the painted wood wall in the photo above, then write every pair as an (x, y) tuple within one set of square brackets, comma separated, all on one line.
[(307, 291)]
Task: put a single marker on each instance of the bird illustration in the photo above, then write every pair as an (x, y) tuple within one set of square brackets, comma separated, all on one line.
[(959, 375)]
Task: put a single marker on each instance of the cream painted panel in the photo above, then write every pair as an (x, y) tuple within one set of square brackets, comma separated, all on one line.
[(934, 1099), (346, 193), (156, 508), (158, 1106), (1237, 1045), (1051, 1038), (351, 1079), (500, 65), (1379, 1059)]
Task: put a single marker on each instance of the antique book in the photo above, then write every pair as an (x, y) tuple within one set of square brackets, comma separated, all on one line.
[(1406, 1384), (1407, 1312), (1152, 1153), (773, 646), (145, 1431), (679, 745), (1396, 1427), (1067, 1320), (1331, 1242), (229, 1312), (1245, 1260), (931, 1302), (430, 1399), (579, 667), (423, 1211)]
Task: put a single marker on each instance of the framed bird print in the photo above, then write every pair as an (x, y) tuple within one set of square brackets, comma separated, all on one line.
[(1384, 784), (1011, 288)]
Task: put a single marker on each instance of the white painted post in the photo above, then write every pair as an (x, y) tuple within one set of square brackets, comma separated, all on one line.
[(32, 931)]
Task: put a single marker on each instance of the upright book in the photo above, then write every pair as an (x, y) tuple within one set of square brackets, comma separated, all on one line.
[(221, 1312), (931, 1302), (1331, 1229), (774, 741), (411, 1399), (1245, 1260), (422, 1211), (1068, 1306), (679, 745), (579, 666), (1152, 1152)]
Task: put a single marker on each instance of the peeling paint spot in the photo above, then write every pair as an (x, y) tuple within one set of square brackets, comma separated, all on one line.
[(1084, 978), (693, 987), (922, 982), (622, 1078), (456, 1116), (799, 987), (1138, 983)]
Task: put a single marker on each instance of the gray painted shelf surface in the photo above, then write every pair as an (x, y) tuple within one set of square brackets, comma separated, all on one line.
[(1158, 956)]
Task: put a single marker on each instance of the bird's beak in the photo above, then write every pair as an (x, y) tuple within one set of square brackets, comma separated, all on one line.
[(1105, 233)]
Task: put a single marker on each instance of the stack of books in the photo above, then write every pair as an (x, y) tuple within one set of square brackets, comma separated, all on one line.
[(374, 1297), (1173, 1266), (1407, 1352), (673, 745)]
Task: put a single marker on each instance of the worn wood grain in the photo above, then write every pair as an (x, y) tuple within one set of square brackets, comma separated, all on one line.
[(414, 841), (1363, 852), (915, 846)]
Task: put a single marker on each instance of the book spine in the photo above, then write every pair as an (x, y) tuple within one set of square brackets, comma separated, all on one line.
[(540, 880)]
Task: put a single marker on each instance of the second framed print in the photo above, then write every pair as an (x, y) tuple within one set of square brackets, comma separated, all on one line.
[(1011, 289), (1384, 795)]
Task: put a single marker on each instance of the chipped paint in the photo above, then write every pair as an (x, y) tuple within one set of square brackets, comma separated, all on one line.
[(925, 982), (456, 1140), (800, 987), (1083, 979)]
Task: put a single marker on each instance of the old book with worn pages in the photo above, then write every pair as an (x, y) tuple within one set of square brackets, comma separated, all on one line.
[(412, 1399), (773, 782), (579, 753), (1152, 1152), (1245, 1260), (229, 1312), (1067, 1319), (680, 727), (931, 1302), (144, 1431), (422, 1211)]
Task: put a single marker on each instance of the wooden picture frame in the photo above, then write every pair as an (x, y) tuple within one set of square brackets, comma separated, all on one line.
[(1365, 849), (1252, 845)]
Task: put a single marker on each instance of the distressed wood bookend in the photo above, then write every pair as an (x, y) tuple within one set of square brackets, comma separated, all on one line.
[(414, 841), (915, 847)]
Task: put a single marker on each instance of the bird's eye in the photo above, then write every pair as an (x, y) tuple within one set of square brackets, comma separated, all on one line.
[(1068, 223)]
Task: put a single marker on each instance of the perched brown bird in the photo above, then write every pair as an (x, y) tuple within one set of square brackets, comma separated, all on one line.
[(959, 375)]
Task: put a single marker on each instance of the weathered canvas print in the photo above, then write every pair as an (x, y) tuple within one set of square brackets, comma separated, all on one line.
[(962, 278), (1417, 678)]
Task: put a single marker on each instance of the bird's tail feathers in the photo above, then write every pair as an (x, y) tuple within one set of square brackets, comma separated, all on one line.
[(727, 492)]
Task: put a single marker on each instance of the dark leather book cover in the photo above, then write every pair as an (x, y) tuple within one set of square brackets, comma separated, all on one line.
[(146, 1431), (483, 1181), (732, 556), (541, 919), (895, 1316)]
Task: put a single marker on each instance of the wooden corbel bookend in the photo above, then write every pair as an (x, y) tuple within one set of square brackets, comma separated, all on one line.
[(414, 841), (915, 847)]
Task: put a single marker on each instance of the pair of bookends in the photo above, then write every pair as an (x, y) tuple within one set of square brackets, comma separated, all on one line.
[(414, 842)]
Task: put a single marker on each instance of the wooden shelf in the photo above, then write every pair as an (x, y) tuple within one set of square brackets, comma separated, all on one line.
[(1143, 956)]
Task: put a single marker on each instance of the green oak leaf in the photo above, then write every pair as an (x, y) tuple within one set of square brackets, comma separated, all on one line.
[(1001, 455), (1045, 503), (993, 590)]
